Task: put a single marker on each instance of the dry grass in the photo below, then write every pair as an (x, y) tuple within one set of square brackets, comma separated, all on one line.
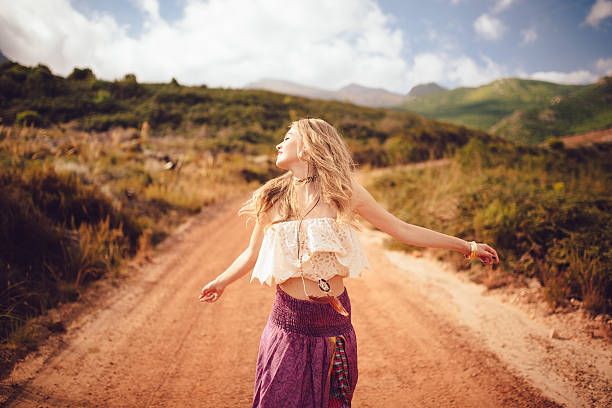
[(79, 204)]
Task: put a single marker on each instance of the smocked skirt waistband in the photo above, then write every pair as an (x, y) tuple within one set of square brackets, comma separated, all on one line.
[(309, 318)]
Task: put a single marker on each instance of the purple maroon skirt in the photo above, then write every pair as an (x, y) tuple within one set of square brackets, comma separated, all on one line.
[(307, 355)]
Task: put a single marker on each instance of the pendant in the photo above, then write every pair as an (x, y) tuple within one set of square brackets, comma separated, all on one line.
[(323, 285), (335, 303)]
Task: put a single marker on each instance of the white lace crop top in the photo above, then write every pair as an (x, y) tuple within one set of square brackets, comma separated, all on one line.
[(330, 249)]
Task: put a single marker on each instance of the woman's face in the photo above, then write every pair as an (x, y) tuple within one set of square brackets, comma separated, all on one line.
[(287, 150)]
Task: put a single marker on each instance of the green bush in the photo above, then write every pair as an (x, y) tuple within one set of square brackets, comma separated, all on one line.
[(28, 118), (84, 74), (104, 122), (555, 143), (127, 88), (104, 101), (41, 82)]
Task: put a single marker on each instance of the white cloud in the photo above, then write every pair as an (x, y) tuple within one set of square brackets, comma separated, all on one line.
[(453, 70), (216, 42), (601, 10), (529, 35), (438, 38), (501, 5), (604, 66), (490, 28), (151, 7), (575, 77)]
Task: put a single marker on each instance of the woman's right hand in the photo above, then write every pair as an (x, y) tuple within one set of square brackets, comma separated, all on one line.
[(212, 291), (486, 254)]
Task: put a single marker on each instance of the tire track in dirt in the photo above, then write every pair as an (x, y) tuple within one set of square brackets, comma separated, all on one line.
[(152, 343)]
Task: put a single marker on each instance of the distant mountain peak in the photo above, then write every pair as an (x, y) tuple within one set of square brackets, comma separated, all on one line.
[(3, 57), (424, 89), (352, 86)]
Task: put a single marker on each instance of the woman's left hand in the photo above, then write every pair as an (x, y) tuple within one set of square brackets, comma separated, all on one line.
[(486, 254)]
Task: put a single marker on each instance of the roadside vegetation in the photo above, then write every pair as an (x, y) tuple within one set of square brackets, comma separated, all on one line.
[(75, 206), (548, 212)]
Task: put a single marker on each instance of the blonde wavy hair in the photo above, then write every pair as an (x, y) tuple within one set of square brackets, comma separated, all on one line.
[(328, 156)]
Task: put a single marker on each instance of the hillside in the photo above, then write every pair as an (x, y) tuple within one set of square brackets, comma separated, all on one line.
[(227, 120), (587, 109), (484, 106)]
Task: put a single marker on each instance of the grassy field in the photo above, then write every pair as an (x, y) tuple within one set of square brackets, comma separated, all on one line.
[(547, 211)]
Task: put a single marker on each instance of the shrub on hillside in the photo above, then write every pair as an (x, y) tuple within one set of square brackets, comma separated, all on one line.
[(103, 122), (84, 74), (28, 118)]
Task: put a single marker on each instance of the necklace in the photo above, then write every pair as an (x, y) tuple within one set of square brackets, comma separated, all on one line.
[(323, 284), (307, 179)]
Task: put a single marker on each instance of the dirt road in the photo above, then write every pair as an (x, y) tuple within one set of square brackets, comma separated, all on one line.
[(151, 343)]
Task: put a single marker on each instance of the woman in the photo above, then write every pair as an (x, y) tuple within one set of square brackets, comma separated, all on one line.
[(303, 242)]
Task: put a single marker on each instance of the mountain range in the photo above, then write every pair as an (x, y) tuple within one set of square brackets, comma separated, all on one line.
[(353, 93), (524, 110)]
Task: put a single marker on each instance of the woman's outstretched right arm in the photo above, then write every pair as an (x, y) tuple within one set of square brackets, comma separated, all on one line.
[(241, 265)]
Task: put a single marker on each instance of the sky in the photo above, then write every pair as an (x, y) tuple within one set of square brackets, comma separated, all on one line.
[(389, 44)]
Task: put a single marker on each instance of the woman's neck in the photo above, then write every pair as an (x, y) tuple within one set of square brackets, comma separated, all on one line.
[(301, 170), (307, 191)]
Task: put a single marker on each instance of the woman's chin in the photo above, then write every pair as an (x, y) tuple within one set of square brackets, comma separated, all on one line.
[(281, 165)]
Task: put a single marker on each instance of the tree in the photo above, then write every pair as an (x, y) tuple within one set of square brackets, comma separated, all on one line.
[(79, 74)]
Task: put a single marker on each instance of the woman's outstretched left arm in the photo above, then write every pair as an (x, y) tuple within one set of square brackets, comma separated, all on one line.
[(366, 206)]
